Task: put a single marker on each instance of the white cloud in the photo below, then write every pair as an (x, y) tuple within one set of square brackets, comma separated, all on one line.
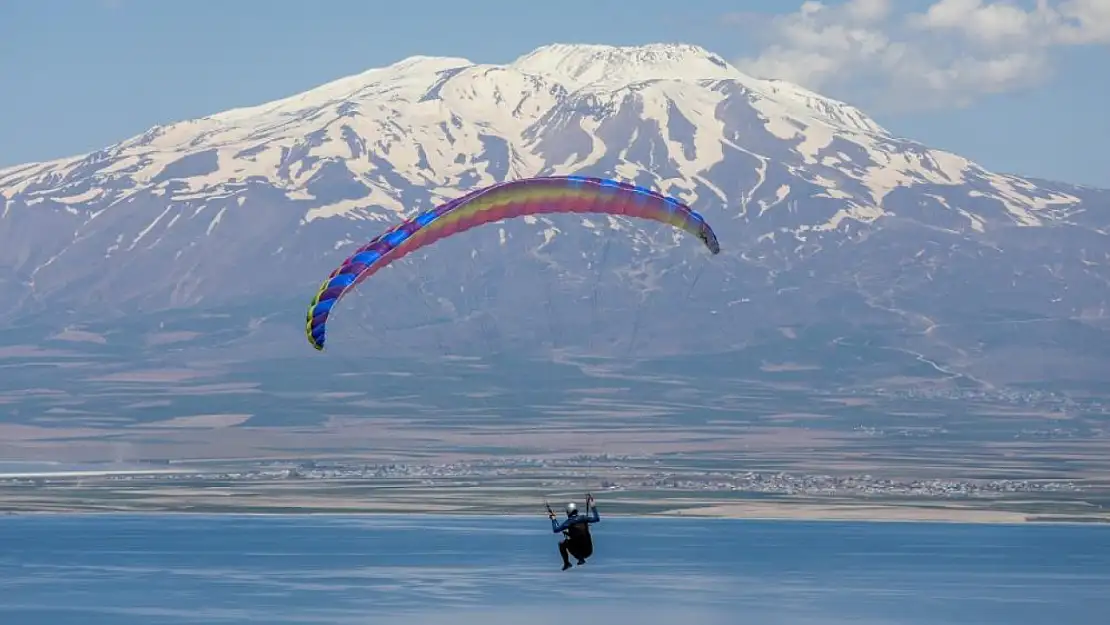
[(948, 54)]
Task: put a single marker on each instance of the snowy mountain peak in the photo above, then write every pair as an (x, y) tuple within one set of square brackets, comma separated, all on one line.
[(672, 116), (585, 64), (607, 67)]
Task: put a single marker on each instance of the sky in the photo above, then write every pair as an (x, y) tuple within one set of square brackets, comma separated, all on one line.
[(1017, 86)]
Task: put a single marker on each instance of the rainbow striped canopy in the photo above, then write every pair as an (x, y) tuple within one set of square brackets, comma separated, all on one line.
[(529, 196)]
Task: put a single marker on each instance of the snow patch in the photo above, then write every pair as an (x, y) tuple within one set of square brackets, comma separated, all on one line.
[(215, 221), (80, 198)]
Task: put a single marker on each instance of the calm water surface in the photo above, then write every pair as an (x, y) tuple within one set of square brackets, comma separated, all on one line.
[(173, 570)]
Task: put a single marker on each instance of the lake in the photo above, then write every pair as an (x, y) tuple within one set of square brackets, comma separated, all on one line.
[(423, 570)]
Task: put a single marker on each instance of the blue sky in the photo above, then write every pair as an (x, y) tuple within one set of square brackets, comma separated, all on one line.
[(1014, 87)]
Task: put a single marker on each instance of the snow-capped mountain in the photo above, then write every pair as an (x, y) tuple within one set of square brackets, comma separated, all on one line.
[(829, 223)]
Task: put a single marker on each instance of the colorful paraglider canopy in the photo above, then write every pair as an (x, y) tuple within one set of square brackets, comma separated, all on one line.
[(529, 196)]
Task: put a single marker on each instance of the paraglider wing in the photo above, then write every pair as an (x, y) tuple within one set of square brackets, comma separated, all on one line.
[(529, 196)]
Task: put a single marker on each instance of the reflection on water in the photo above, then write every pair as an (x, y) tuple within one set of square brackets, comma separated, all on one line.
[(132, 570)]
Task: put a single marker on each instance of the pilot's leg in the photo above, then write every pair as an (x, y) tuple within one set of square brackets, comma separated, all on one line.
[(563, 551)]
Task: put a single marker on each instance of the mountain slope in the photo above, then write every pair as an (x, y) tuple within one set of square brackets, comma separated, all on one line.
[(835, 232)]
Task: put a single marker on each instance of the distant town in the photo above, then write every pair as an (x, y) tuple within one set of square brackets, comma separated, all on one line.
[(611, 473)]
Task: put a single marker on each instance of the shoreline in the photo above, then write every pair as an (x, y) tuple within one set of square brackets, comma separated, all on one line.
[(900, 516)]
